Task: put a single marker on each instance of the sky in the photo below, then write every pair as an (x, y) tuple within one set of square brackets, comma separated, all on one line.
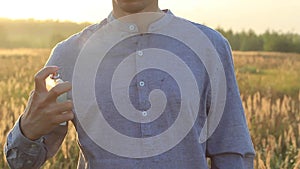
[(238, 15)]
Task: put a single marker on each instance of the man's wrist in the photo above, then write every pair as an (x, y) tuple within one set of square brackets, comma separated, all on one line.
[(25, 130)]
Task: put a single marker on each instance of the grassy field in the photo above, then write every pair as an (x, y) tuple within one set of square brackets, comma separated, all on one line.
[(269, 85)]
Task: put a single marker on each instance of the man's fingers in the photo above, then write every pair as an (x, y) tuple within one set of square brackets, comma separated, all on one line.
[(60, 112), (58, 90), (60, 108), (39, 78), (69, 115)]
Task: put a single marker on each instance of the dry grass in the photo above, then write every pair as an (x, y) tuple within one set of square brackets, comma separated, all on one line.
[(273, 116)]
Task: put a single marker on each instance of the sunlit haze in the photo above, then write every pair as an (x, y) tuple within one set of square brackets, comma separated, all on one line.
[(238, 15)]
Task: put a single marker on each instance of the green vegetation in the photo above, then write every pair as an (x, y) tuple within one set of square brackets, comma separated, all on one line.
[(269, 73), (268, 41)]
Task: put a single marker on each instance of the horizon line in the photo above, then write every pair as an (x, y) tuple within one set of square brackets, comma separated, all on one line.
[(93, 22)]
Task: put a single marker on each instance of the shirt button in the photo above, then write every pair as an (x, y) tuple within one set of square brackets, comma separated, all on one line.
[(142, 83), (144, 113), (131, 27), (140, 53)]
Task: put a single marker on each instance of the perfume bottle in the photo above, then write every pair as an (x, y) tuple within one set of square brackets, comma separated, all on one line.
[(52, 81)]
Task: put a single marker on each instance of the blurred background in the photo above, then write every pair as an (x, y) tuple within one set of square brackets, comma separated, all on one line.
[(264, 36)]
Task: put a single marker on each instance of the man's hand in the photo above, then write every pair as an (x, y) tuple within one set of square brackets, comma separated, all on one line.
[(43, 114)]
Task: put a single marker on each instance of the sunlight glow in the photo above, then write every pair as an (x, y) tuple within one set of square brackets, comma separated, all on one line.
[(236, 14), (78, 11)]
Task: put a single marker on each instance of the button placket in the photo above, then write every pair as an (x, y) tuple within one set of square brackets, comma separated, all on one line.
[(146, 129), (139, 67), (141, 88)]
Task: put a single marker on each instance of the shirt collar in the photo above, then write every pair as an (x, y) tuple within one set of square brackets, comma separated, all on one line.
[(132, 28)]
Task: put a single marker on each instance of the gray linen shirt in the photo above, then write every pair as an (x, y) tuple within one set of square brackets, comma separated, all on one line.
[(229, 147)]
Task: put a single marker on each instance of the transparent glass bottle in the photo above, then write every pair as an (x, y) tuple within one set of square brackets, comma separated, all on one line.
[(52, 81)]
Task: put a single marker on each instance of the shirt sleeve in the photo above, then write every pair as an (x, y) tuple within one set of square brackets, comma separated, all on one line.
[(22, 153), (230, 146), (232, 161)]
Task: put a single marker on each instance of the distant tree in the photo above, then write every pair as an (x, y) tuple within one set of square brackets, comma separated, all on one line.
[(268, 41), (234, 39), (249, 41), (274, 41), (296, 42), (245, 41)]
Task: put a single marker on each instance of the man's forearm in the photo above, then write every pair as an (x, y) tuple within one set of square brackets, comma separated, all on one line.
[(22, 153)]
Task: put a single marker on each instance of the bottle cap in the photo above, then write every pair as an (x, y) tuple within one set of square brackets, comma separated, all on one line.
[(55, 76)]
